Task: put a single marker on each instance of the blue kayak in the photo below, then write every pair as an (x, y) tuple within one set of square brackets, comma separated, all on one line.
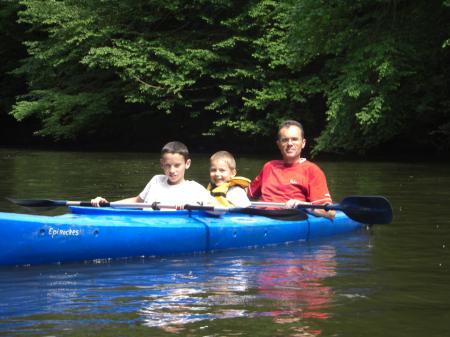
[(102, 233)]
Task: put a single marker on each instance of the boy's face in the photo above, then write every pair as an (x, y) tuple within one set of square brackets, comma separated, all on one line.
[(174, 166), (220, 172)]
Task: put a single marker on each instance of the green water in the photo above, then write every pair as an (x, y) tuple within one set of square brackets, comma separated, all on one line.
[(391, 281)]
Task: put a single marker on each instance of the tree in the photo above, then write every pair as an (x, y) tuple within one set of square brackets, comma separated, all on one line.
[(358, 73), (222, 63), (384, 70), (11, 51)]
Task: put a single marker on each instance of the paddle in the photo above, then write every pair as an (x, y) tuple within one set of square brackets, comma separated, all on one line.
[(364, 209), (279, 214)]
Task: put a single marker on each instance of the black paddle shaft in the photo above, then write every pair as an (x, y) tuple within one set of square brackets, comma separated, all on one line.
[(364, 209), (50, 203), (277, 214)]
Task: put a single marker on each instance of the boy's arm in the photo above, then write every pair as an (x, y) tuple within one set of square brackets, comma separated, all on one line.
[(199, 194), (98, 201), (237, 196), (136, 199)]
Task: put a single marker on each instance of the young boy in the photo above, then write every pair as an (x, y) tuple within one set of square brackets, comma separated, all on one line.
[(225, 186), (170, 188)]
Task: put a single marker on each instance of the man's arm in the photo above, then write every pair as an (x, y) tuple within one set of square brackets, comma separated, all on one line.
[(254, 189), (324, 213)]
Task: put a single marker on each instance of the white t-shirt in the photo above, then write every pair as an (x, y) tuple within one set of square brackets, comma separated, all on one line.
[(238, 197), (187, 192)]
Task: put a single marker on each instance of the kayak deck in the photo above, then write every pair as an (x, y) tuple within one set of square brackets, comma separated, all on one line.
[(103, 233)]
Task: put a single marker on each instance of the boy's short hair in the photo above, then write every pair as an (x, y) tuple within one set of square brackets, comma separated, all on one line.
[(226, 156), (291, 122), (176, 147)]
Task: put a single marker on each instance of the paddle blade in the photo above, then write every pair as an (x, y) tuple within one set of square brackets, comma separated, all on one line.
[(367, 209), (38, 202)]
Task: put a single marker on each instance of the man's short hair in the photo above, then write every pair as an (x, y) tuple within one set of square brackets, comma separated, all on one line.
[(176, 147), (291, 122), (226, 156)]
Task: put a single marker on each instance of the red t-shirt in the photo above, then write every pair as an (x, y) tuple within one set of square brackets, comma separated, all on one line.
[(278, 182)]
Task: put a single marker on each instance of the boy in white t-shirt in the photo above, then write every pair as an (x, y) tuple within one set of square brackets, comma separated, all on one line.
[(170, 188)]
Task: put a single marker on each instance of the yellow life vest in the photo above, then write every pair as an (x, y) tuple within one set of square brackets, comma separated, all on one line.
[(220, 192)]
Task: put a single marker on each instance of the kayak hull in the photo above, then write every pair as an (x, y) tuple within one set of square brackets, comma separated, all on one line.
[(103, 233)]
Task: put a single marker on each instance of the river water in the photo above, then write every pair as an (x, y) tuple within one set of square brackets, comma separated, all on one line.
[(392, 280)]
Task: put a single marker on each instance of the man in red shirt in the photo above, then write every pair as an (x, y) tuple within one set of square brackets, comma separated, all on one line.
[(293, 180)]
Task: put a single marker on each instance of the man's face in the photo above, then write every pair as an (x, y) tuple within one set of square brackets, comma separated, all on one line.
[(291, 143)]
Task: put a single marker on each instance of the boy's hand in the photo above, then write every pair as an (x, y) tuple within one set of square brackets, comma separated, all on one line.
[(97, 202)]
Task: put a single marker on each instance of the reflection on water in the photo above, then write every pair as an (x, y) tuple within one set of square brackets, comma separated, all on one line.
[(298, 283), (283, 284), (192, 300)]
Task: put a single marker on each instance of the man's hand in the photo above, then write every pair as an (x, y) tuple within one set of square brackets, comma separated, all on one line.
[(293, 203)]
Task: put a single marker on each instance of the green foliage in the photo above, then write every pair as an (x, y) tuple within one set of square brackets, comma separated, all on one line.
[(359, 73), (224, 61), (61, 112), (11, 50), (260, 87), (446, 43), (383, 71), (153, 54)]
